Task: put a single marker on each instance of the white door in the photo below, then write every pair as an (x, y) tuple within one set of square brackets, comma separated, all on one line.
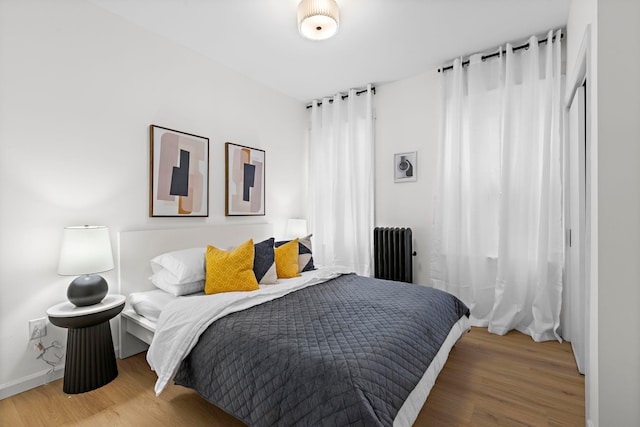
[(575, 295)]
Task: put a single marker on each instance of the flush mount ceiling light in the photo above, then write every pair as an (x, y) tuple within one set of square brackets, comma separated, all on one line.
[(318, 19)]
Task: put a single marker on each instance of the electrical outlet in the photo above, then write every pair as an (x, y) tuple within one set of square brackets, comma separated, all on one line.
[(37, 328)]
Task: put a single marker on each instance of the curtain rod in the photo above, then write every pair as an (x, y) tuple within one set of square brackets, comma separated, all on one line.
[(491, 55), (373, 90)]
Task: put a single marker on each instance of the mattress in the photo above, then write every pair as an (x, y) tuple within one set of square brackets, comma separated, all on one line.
[(143, 308), (149, 304)]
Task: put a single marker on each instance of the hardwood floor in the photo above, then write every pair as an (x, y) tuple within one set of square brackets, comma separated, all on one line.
[(509, 380), (488, 380)]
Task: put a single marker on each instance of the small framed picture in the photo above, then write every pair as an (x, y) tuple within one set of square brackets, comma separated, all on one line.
[(179, 182), (245, 187), (405, 167)]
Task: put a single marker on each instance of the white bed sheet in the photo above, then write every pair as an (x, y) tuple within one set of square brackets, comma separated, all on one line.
[(149, 304)]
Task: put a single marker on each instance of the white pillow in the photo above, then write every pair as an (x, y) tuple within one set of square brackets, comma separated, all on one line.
[(166, 281), (184, 266)]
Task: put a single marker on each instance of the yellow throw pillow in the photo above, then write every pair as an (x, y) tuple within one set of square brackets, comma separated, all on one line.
[(287, 260), (230, 271)]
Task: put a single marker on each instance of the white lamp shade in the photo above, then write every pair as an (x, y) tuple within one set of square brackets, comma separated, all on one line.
[(85, 250), (296, 228), (318, 19)]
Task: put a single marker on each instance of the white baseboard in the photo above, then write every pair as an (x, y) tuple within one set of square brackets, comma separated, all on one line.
[(30, 381), (34, 380)]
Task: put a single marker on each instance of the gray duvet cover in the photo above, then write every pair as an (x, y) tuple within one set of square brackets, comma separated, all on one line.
[(345, 352)]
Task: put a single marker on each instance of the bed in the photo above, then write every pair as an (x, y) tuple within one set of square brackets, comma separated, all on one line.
[(328, 348)]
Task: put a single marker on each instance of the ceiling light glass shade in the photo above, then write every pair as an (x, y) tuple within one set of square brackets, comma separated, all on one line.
[(318, 19)]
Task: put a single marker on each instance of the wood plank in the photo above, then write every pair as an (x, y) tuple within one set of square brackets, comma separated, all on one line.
[(489, 380), (510, 380)]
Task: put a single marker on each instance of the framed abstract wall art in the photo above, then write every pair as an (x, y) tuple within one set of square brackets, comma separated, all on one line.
[(244, 171), (179, 170), (405, 167)]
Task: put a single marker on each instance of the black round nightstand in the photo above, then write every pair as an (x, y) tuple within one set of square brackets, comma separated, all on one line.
[(90, 361)]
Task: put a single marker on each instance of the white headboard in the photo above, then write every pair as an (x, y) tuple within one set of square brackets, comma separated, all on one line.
[(137, 248)]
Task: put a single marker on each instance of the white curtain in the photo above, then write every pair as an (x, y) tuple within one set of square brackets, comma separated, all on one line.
[(498, 232), (341, 181)]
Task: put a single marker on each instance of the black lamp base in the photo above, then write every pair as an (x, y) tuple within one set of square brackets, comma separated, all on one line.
[(88, 289)]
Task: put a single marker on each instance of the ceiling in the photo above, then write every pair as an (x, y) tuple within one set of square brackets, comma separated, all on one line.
[(378, 40)]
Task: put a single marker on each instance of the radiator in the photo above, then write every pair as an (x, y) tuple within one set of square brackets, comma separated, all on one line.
[(393, 254)]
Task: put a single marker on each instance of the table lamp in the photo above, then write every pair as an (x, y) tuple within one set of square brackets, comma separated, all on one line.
[(296, 227), (85, 250)]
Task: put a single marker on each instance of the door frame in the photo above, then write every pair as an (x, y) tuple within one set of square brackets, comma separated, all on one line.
[(582, 74)]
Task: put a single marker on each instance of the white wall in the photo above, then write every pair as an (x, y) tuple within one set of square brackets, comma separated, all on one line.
[(407, 120), (79, 88), (618, 212), (614, 393)]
